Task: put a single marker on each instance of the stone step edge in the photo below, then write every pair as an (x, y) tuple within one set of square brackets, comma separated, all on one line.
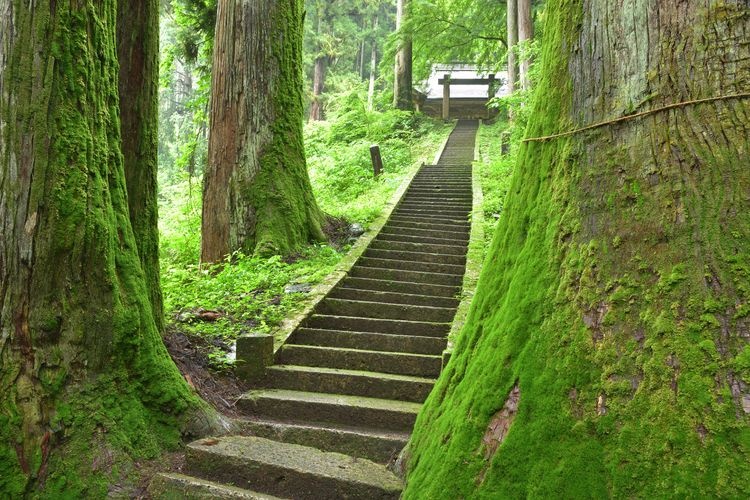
[(171, 485), (285, 466), (354, 373)]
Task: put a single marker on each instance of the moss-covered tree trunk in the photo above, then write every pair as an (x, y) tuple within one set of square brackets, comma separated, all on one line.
[(402, 80), (606, 352), (86, 384), (257, 195), (138, 51)]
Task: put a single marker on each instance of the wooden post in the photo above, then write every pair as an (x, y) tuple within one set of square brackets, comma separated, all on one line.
[(491, 91), (377, 160), (505, 143), (447, 97)]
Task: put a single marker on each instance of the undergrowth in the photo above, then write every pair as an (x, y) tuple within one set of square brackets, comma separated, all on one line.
[(249, 295)]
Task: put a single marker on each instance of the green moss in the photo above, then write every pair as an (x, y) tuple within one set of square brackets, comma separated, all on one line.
[(95, 388), (609, 297)]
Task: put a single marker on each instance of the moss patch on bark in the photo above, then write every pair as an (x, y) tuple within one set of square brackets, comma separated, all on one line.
[(615, 292)]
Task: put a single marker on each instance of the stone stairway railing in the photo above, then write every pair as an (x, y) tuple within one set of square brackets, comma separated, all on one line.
[(343, 396)]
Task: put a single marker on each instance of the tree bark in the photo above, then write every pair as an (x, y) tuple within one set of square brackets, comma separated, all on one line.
[(319, 77), (257, 196), (512, 18), (525, 34), (138, 52), (402, 88), (373, 69), (615, 296), (84, 376)]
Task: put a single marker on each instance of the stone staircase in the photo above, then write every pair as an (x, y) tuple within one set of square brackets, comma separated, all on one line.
[(341, 401)]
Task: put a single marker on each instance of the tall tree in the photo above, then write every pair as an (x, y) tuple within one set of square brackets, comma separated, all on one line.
[(84, 376), (512, 40), (322, 56), (138, 52), (607, 351), (402, 80), (525, 34), (257, 195), (373, 68)]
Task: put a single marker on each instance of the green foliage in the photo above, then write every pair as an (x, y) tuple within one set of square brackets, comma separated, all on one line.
[(496, 170), (445, 31), (250, 293), (339, 151)]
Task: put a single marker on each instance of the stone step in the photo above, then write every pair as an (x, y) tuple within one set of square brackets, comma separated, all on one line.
[(435, 258), (462, 181), (171, 486), (383, 310), (390, 326), (434, 220), (310, 407), (433, 212), (359, 271), (351, 382), (418, 247), (436, 204), (401, 287), (369, 341), (459, 199), (378, 446), (410, 265), (290, 470), (462, 244), (429, 225), (393, 298), (440, 189), (396, 363)]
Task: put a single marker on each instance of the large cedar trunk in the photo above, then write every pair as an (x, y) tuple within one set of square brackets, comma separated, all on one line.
[(257, 196), (402, 87), (606, 352), (84, 376), (138, 52)]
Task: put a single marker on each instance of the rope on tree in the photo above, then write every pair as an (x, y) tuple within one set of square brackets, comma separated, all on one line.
[(638, 115)]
